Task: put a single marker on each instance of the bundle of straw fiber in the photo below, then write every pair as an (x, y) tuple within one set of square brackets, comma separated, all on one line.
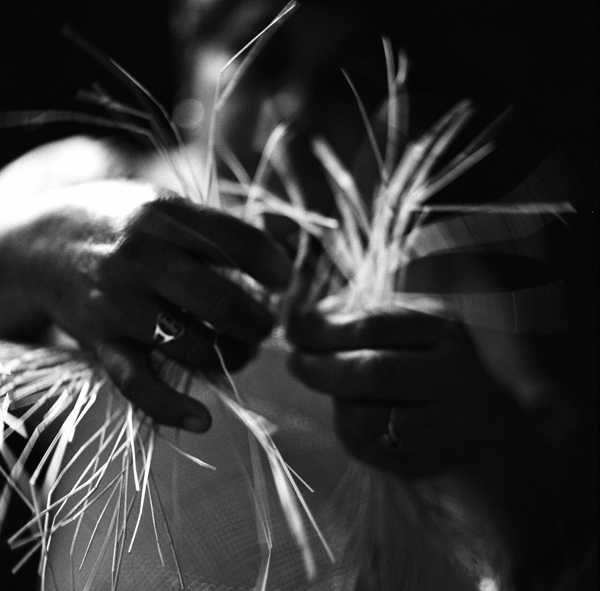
[(379, 235), (206, 520), (374, 244)]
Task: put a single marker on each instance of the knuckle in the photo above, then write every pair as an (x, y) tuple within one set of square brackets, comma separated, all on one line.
[(115, 264), (166, 201), (140, 215), (87, 314), (105, 269), (121, 370), (128, 381), (97, 302), (132, 246)]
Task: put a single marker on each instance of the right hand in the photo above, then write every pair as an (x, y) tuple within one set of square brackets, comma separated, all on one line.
[(117, 254)]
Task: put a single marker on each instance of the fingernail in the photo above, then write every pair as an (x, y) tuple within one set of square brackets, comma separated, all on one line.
[(197, 424)]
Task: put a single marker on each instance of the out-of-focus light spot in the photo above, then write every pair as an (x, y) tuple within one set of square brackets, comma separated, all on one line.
[(188, 113), (289, 103), (488, 584), (209, 63)]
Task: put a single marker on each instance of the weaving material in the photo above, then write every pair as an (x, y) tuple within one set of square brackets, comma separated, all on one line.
[(365, 515)]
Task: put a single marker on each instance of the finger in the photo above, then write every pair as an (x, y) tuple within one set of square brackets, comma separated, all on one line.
[(210, 297), (181, 279), (454, 427), (419, 440), (211, 354), (220, 238), (129, 367), (205, 350), (401, 328), (140, 317), (364, 432), (360, 427), (382, 376)]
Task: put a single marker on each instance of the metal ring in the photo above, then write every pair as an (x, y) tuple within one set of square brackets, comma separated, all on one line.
[(166, 329), (390, 438)]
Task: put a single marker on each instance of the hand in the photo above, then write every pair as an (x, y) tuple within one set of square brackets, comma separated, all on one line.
[(453, 385), (417, 394), (107, 260), (410, 391)]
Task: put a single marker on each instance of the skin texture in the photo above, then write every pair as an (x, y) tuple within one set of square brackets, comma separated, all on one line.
[(455, 387), (445, 399), (103, 258)]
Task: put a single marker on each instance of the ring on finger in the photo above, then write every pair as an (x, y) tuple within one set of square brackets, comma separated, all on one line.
[(167, 329), (390, 438)]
